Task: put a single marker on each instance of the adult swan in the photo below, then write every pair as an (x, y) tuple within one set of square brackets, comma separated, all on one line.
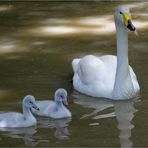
[(109, 76)]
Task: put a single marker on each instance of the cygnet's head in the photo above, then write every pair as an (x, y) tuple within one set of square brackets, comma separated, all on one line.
[(123, 17), (61, 96), (29, 101)]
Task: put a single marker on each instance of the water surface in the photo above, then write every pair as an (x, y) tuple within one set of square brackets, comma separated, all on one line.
[(37, 44)]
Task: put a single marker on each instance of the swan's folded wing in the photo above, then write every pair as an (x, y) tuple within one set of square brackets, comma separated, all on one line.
[(90, 69), (75, 63)]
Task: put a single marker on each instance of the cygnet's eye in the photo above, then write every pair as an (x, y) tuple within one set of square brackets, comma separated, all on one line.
[(120, 12), (61, 96), (30, 102)]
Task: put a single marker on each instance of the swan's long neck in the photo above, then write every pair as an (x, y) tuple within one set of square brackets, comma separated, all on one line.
[(123, 86), (27, 113)]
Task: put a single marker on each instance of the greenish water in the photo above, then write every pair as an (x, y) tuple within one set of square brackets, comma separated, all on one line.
[(38, 41)]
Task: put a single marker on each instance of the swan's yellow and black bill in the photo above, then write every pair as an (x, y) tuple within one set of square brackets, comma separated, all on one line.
[(127, 22)]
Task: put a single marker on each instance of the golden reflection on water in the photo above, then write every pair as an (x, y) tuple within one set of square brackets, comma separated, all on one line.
[(103, 25), (9, 47), (92, 25), (137, 5), (5, 8)]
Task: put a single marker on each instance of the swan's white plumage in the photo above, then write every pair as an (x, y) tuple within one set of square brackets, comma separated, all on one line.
[(15, 119), (96, 76), (54, 109)]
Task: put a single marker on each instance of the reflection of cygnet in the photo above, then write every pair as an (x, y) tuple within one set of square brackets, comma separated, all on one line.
[(60, 126), (61, 129), (15, 119), (23, 133), (54, 109)]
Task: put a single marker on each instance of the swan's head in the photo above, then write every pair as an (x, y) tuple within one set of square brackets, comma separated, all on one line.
[(61, 96), (29, 101), (123, 17)]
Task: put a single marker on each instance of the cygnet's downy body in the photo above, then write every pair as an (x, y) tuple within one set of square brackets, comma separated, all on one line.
[(25, 119), (55, 109)]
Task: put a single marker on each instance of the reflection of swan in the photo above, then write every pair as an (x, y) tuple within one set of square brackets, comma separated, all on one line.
[(98, 104), (15, 119), (61, 125), (122, 110), (54, 109), (24, 133), (109, 76)]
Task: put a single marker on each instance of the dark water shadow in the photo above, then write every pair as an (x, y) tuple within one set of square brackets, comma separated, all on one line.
[(122, 111)]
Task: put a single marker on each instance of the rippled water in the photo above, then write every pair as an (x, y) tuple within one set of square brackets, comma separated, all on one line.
[(37, 44)]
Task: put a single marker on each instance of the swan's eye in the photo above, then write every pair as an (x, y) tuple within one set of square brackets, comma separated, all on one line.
[(30, 102), (120, 12), (61, 96)]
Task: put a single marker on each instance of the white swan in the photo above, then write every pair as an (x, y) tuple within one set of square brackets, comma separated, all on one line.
[(54, 109), (15, 119), (109, 76)]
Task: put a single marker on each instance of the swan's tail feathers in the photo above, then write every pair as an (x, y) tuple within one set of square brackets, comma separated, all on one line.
[(75, 63)]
